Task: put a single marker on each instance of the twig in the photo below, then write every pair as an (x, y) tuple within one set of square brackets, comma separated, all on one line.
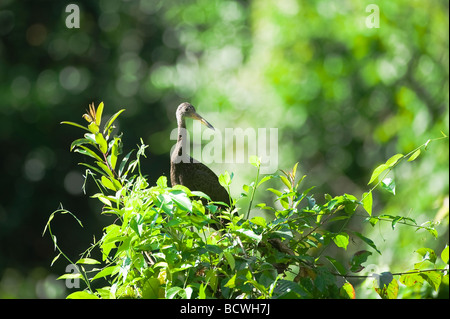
[(393, 274)]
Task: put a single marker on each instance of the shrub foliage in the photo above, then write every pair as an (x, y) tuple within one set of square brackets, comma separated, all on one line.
[(162, 245)]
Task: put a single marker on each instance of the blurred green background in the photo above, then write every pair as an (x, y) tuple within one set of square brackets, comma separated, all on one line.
[(343, 96)]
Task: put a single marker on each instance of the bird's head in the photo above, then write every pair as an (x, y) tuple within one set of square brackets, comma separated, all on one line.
[(187, 110)]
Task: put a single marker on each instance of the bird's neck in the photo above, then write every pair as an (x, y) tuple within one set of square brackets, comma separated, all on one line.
[(181, 128), (181, 153)]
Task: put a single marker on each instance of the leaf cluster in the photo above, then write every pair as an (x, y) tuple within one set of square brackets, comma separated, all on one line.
[(162, 243)]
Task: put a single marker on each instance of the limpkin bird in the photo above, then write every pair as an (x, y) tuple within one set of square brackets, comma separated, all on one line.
[(186, 171)]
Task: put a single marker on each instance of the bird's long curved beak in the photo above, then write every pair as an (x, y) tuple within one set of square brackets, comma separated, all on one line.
[(196, 116)]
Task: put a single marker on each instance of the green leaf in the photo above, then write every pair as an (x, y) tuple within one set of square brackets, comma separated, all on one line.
[(108, 184), (82, 295), (225, 179), (372, 221), (93, 128), (124, 162), (368, 241), (162, 181), (286, 182), (414, 155), (264, 179), (150, 289), (426, 144), (368, 202), (136, 224), (101, 143), (255, 161), (86, 151), (181, 199), (410, 279), (347, 291), (388, 184), (105, 168), (172, 292), (341, 269), (87, 261), (386, 286), (393, 160), (275, 191), (395, 221), (98, 114), (377, 171), (79, 141), (103, 199), (433, 278), (258, 220), (427, 254), (249, 234), (231, 282), (115, 152), (55, 259), (230, 259), (111, 121), (341, 240), (357, 259), (444, 254), (201, 291), (75, 124), (106, 272), (70, 276)]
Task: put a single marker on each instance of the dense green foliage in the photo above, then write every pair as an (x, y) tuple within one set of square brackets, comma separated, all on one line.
[(161, 244), (344, 98)]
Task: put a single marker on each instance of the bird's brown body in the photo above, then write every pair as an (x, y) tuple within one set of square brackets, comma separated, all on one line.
[(186, 171)]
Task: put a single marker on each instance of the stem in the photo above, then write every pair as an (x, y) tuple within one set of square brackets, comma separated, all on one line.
[(80, 270), (253, 193), (393, 274)]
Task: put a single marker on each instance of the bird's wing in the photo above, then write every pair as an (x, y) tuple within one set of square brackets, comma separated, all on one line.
[(199, 177)]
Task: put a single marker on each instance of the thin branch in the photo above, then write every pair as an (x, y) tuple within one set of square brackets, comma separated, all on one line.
[(393, 274)]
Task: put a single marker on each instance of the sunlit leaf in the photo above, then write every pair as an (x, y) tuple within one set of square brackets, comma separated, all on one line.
[(410, 279), (414, 155), (255, 161), (76, 125), (71, 276), (427, 254), (82, 295), (389, 185), (368, 202), (347, 291), (341, 240), (181, 199), (107, 183), (286, 182), (106, 272), (393, 160), (111, 121), (150, 289), (444, 255), (377, 171), (386, 286), (433, 278), (87, 261), (98, 116)]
